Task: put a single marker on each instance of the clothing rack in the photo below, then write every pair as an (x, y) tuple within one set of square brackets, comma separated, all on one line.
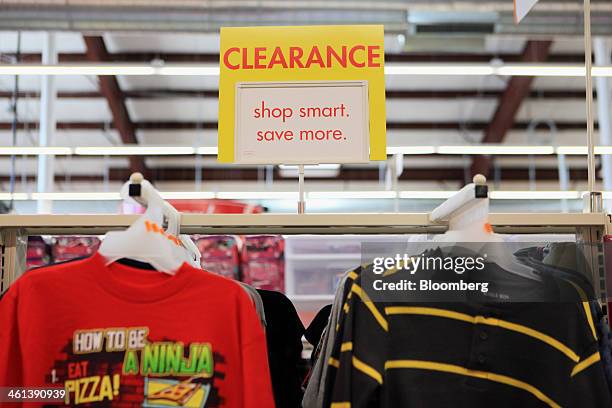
[(337, 223), (14, 229)]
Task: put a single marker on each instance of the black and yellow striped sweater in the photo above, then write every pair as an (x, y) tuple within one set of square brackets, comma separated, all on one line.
[(464, 354)]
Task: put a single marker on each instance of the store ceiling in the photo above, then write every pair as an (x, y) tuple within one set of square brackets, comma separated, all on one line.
[(182, 110), (551, 17)]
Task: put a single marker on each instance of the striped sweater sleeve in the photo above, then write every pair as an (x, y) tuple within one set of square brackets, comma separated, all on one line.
[(359, 353), (588, 386)]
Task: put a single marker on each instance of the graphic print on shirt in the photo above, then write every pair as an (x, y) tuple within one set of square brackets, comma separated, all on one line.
[(121, 365)]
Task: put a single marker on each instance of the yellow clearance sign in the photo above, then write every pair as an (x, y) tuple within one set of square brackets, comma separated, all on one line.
[(308, 53)]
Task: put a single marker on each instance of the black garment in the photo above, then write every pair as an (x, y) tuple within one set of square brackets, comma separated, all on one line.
[(284, 331), (473, 353), (314, 335), (315, 329), (530, 256), (605, 340)]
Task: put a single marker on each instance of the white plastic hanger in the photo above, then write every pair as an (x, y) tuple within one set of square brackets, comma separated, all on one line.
[(146, 240), (467, 213)]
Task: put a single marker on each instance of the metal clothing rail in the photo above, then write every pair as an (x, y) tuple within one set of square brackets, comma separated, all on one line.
[(341, 223), (588, 227)]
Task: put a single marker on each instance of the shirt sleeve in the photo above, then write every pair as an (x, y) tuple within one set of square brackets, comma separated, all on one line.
[(359, 353), (318, 388), (10, 352), (588, 382), (257, 385)]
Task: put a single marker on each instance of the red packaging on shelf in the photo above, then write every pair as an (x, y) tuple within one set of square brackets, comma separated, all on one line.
[(66, 248), (38, 253), (263, 264), (219, 254)]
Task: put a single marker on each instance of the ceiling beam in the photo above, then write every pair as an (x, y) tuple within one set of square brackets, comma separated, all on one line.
[(517, 89), (421, 174), (236, 174), (175, 125), (391, 94), (109, 87)]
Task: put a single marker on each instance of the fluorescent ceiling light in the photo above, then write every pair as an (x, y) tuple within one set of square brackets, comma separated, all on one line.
[(572, 150), (540, 70), (445, 69), (207, 150), (439, 69), (449, 69), (426, 194), (318, 195), (447, 16), (495, 149), (603, 149), (293, 195), (534, 195), (310, 170), (76, 196), (110, 69), (188, 195), (134, 150), (14, 196), (77, 69), (602, 71), (258, 195), (33, 151), (582, 150), (144, 150), (411, 150), (188, 69), (310, 167)]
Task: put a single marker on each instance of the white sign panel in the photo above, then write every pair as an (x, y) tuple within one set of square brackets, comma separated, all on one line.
[(521, 8), (302, 122)]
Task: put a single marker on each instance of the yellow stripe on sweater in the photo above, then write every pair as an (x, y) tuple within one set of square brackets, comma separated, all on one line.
[(366, 369), (454, 369), (370, 305), (586, 363)]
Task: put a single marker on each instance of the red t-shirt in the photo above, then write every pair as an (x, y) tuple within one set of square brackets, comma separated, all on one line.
[(125, 337)]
